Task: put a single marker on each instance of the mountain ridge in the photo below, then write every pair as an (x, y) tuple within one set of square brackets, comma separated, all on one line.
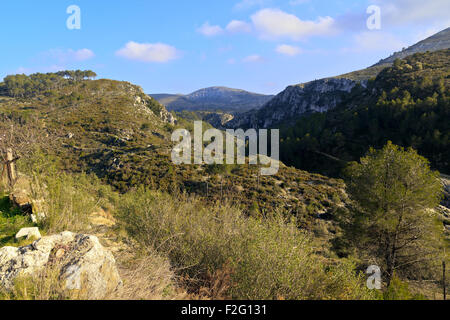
[(114, 130), (213, 99), (319, 96), (436, 42)]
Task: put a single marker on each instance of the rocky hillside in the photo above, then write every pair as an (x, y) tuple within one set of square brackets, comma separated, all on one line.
[(439, 41), (217, 119), (114, 130), (325, 94), (316, 96), (407, 104), (214, 99)]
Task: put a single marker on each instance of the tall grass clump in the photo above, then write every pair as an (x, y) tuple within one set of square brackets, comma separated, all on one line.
[(44, 284), (228, 255), (66, 199)]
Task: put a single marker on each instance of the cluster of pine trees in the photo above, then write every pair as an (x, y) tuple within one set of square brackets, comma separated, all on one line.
[(408, 104), (23, 86)]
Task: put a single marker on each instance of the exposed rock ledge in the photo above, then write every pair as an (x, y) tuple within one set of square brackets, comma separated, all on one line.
[(82, 262), (295, 101)]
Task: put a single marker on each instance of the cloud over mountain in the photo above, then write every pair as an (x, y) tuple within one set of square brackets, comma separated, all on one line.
[(148, 52), (70, 55), (400, 12), (288, 50), (276, 24)]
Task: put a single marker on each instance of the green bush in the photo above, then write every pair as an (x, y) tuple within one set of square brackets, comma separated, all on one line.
[(67, 199), (399, 290), (68, 202), (267, 258), (11, 221)]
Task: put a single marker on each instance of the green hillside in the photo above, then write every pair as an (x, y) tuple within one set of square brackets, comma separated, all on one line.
[(407, 103), (189, 228), (114, 130)]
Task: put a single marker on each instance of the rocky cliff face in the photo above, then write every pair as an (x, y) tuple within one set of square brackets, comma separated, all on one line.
[(323, 95), (147, 104), (218, 119), (315, 96)]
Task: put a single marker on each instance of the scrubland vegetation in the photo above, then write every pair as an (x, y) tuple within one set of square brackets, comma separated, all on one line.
[(406, 104), (211, 251), (224, 232), (252, 258), (184, 247)]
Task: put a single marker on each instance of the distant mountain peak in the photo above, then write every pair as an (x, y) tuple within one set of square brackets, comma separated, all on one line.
[(213, 99), (325, 94)]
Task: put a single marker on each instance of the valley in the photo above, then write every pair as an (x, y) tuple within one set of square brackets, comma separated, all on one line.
[(362, 181)]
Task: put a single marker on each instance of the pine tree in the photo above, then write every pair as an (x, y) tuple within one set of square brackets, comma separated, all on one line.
[(393, 190)]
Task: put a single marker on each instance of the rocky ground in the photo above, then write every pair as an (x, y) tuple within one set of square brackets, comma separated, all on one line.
[(99, 263)]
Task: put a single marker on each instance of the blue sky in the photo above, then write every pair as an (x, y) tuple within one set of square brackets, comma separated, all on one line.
[(179, 46)]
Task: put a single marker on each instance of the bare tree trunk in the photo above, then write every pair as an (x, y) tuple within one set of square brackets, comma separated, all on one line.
[(390, 268), (10, 167), (443, 280), (393, 253), (4, 173)]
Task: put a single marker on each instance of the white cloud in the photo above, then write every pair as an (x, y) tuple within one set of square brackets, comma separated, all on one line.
[(83, 54), (231, 61), (208, 30), (297, 2), (148, 52), (252, 59), (400, 12), (238, 26), (272, 24), (375, 42), (275, 24), (70, 55), (247, 4), (288, 50)]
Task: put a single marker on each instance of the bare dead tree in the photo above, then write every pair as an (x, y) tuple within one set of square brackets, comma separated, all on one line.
[(19, 139)]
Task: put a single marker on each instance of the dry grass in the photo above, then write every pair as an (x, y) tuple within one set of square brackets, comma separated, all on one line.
[(219, 253), (218, 284), (45, 284), (148, 277), (432, 290)]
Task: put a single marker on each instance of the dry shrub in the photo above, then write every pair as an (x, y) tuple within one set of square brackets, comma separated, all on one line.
[(148, 277), (217, 284), (46, 284), (66, 199), (266, 258)]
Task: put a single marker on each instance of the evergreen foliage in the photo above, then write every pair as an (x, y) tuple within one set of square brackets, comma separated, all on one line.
[(408, 104)]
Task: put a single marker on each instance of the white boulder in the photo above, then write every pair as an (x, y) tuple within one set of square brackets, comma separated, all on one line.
[(83, 263), (30, 233)]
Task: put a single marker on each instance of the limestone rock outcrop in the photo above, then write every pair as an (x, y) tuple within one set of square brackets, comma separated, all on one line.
[(82, 262), (295, 101)]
